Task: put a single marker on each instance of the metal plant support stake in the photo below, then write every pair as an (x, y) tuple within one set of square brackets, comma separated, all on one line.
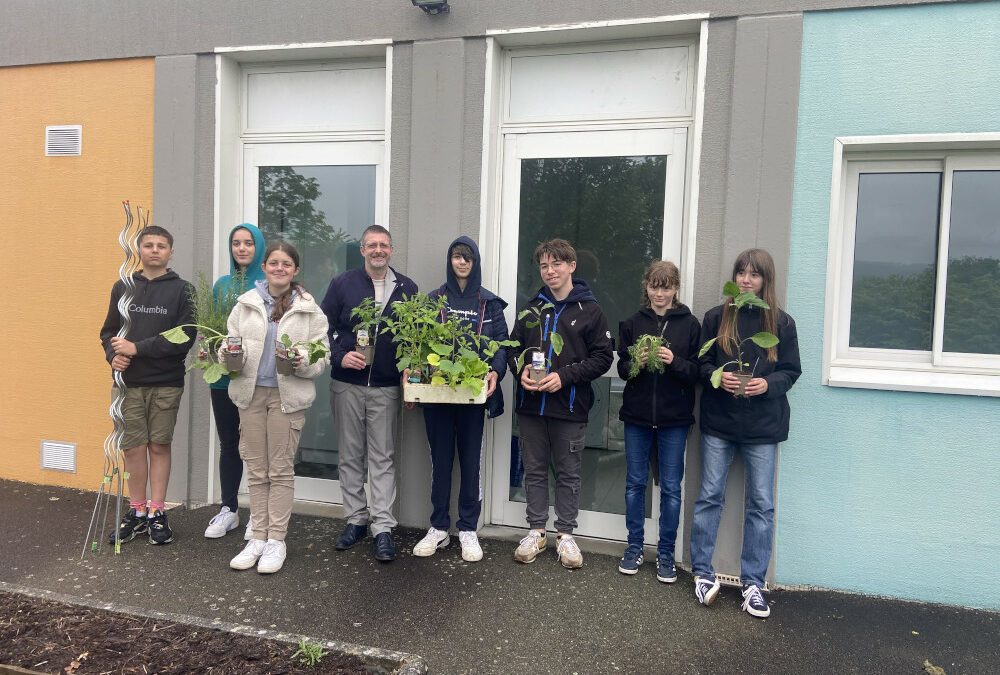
[(113, 481)]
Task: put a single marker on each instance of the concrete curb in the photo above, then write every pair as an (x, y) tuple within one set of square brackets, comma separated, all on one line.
[(397, 662)]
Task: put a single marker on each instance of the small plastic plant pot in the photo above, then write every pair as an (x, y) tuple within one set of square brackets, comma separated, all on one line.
[(744, 378), (368, 352), (233, 361), (284, 366), (536, 375)]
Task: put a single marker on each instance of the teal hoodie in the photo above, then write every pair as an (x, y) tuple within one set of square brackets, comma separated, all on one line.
[(227, 287)]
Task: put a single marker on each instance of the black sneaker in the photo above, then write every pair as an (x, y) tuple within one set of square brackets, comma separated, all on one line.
[(630, 562), (754, 603), (130, 526), (159, 531)]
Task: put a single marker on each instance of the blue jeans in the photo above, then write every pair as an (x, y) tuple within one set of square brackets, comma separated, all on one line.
[(758, 513), (670, 442)]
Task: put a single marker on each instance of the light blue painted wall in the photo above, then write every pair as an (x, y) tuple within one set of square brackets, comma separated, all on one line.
[(883, 492)]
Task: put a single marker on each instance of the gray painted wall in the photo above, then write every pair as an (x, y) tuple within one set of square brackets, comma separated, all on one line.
[(46, 31)]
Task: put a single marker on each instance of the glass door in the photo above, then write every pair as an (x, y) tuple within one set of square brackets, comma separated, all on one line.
[(319, 197), (617, 196)]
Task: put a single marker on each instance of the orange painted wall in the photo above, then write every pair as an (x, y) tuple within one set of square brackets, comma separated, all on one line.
[(59, 224)]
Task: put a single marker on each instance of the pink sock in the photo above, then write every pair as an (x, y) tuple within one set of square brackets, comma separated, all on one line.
[(138, 504), (156, 506)]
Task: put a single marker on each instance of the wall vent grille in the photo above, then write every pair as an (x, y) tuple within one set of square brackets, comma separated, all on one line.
[(59, 456), (64, 140)]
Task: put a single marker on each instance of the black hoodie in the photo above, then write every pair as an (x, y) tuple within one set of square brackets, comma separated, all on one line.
[(665, 399), (482, 309), (157, 305), (586, 355), (755, 419)]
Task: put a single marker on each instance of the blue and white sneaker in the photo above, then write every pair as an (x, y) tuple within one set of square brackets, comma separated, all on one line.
[(630, 562), (706, 590), (754, 603), (665, 570)]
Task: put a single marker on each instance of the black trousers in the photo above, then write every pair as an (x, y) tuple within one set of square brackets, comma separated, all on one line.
[(227, 423), (451, 430)]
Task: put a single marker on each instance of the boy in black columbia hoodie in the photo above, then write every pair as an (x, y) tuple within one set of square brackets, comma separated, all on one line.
[(152, 370), (552, 414), (460, 426)]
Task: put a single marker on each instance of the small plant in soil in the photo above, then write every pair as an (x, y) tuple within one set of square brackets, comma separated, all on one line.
[(763, 339), (286, 351), (309, 653), (210, 317), (414, 326), (539, 364), (368, 318), (648, 346)]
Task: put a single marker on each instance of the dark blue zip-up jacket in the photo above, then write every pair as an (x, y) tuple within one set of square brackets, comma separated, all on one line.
[(586, 355), (346, 292), (660, 399), (482, 309)]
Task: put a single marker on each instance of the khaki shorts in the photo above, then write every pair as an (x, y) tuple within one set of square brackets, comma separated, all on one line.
[(150, 414)]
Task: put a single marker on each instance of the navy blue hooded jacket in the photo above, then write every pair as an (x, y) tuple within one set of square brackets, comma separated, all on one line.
[(344, 294), (482, 309), (586, 355)]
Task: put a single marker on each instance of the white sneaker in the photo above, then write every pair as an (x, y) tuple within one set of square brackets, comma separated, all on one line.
[(222, 523), (273, 557), (248, 557), (248, 533), (568, 552), (471, 550), (432, 541), (530, 547)]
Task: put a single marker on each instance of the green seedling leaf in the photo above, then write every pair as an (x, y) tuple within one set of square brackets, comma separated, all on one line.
[(438, 380), (557, 342), (532, 324), (434, 359), (475, 385), (705, 347), (730, 289), (442, 349), (176, 335), (403, 363), (285, 340), (214, 373), (764, 339), (523, 313), (520, 362), (717, 377)]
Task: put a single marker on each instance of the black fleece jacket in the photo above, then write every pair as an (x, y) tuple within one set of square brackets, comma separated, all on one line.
[(660, 399), (157, 305), (586, 355), (755, 419)]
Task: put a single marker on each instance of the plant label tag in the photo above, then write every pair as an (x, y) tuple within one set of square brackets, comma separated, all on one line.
[(538, 361), (234, 344), (362, 338)]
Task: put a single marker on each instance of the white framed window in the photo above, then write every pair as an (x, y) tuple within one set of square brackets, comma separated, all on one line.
[(913, 290)]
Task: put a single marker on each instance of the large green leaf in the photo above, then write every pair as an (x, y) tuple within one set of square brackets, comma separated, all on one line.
[(705, 347), (441, 348), (717, 377), (557, 342), (764, 339), (214, 373), (730, 289), (176, 335)]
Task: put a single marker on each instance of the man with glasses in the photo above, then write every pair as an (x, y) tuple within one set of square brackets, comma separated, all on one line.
[(364, 396)]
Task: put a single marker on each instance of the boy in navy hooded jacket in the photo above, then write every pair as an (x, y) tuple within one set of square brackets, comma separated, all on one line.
[(460, 426)]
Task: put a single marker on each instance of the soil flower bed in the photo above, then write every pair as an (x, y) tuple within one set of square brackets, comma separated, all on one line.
[(51, 637)]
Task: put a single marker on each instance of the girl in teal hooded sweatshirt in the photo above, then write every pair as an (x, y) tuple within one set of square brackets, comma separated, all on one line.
[(246, 253)]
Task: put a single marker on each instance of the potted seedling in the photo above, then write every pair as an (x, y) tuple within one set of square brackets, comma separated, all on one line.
[(368, 315), (763, 339), (647, 346), (539, 363), (442, 357), (286, 351), (210, 316)]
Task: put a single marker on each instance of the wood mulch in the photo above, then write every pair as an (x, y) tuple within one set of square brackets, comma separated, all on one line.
[(51, 637)]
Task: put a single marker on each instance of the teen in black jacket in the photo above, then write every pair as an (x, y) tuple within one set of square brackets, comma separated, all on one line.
[(751, 423), (657, 409)]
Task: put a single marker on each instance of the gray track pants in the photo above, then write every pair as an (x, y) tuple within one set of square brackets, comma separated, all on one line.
[(545, 440)]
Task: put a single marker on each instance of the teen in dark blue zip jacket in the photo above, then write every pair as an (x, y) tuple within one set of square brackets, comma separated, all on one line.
[(453, 426), (658, 410), (552, 414)]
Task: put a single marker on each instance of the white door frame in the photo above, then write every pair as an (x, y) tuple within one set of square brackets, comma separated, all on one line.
[(672, 142)]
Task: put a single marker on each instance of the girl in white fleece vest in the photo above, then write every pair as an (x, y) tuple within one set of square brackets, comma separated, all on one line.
[(272, 406)]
